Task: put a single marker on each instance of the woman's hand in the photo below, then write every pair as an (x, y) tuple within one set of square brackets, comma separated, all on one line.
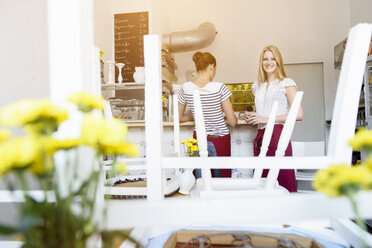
[(181, 114), (253, 118)]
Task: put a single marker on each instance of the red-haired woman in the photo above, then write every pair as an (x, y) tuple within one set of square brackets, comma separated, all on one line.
[(215, 99)]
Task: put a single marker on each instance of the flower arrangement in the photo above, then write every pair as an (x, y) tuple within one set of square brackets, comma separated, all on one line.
[(187, 179), (64, 216), (345, 180), (192, 147)]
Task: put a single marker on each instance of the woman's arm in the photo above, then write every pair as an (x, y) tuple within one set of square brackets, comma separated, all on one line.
[(181, 113), (254, 119), (291, 93), (231, 119)]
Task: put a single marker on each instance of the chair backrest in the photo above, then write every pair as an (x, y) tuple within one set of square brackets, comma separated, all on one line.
[(266, 138), (202, 138), (285, 136), (107, 113), (176, 125)]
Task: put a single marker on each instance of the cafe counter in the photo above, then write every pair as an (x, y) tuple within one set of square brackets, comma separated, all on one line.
[(242, 136)]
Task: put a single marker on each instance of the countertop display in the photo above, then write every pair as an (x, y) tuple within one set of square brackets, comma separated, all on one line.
[(242, 98)]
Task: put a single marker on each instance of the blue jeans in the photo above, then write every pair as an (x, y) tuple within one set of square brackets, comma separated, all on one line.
[(211, 153)]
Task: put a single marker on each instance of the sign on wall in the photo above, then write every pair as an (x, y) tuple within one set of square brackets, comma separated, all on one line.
[(129, 31)]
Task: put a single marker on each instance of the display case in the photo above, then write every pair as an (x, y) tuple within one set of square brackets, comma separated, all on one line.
[(242, 98), (126, 100)]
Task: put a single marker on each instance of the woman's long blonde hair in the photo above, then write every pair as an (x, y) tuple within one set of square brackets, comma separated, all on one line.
[(280, 73)]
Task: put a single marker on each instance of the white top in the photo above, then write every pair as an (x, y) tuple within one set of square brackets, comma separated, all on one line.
[(265, 99), (211, 96)]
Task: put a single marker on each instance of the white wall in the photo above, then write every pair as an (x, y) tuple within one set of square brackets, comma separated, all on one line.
[(23, 49), (23, 63), (305, 31), (159, 16), (360, 11), (104, 27)]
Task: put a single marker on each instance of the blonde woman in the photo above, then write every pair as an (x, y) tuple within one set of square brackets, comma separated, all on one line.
[(273, 85), (216, 105)]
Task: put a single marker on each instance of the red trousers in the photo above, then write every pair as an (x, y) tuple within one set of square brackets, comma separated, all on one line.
[(223, 149), (286, 178)]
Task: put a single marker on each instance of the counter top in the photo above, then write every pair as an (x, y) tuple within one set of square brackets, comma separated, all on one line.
[(170, 124)]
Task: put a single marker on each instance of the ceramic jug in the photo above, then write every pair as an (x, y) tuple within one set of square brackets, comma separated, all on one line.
[(139, 74), (187, 181)]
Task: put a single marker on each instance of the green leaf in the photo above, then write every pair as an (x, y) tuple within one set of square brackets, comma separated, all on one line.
[(7, 230)]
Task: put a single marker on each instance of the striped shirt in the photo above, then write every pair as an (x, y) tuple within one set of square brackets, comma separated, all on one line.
[(211, 96)]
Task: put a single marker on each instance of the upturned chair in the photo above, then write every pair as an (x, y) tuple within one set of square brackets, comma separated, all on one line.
[(211, 187)]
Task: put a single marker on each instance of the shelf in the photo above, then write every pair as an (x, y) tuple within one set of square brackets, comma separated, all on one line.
[(123, 86), (166, 91), (132, 121), (167, 85), (168, 76)]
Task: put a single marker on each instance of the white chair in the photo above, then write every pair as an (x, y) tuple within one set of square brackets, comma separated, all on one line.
[(256, 185)]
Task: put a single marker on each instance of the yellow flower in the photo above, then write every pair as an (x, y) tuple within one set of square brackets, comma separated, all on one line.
[(362, 139), (108, 136), (188, 144), (4, 134), (342, 179), (86, 102), (368, 163), (99, 130), (119, 168), (52, 145), (39, 116), (126, 148), (163, 99), (194, 148), (21, 152), (101, 53), (194, 141)]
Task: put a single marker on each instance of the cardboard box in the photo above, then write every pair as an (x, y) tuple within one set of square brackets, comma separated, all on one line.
[(179, 238)]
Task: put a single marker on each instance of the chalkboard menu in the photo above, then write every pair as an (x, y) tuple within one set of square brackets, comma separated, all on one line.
[(129, 31)]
